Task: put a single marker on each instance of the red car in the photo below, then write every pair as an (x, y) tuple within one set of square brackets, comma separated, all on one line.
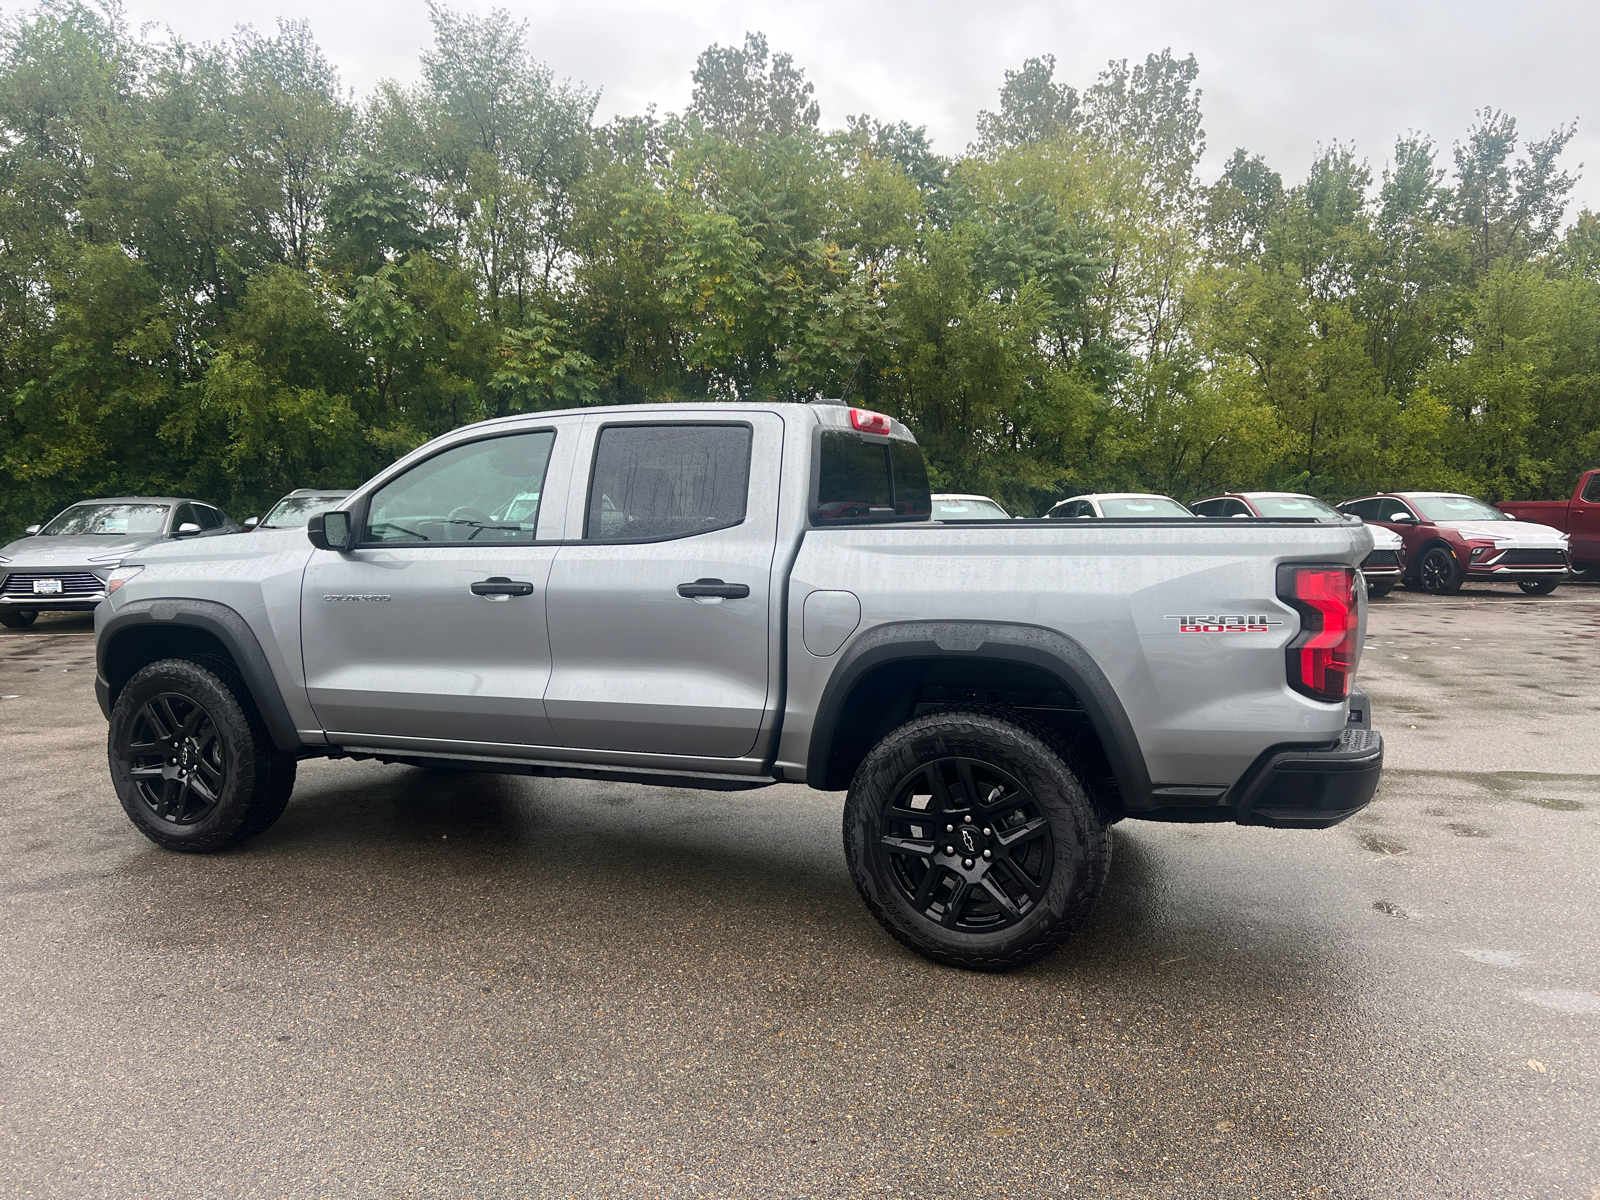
[(1578, 518), (1450, 538)]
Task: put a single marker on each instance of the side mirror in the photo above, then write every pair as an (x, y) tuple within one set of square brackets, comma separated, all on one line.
[(187, 529), (251, 522), (329, 531), (1511, 516), (1241, 516), (1402, 519), (33, 530)]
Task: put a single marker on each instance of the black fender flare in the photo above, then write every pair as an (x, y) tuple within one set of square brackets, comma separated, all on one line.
[(220, 622), (1032, 645)]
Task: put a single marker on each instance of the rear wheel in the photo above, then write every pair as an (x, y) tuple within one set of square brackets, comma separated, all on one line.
[(1376, 591), (191, 759), (973, 841), (17, 618), (1537, 587), (1438, 572)]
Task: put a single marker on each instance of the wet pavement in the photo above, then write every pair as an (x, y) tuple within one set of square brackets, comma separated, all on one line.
[(480, 986)]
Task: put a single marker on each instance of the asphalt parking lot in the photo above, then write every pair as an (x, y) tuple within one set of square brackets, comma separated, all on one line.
[(482, 986)]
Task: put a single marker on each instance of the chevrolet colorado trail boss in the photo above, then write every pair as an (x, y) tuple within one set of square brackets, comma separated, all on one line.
[(726, 596)]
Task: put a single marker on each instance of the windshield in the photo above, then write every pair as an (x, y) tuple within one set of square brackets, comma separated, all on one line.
[(1455, 508), (1144, 506), (1294, 506), (293, 512), (112, 519), (968, 508)]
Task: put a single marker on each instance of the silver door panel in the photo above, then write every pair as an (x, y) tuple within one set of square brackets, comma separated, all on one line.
[(428, 659), (638, 668)]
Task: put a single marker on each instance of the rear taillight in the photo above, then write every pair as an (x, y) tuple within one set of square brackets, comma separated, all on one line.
[(1323, 654), (869, 422)]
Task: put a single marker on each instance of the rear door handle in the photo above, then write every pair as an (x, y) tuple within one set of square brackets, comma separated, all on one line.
[(702, 588), (499, 585)]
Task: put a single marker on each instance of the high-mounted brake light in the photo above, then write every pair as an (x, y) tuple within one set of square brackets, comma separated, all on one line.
[(869, 422), (1323, 654)]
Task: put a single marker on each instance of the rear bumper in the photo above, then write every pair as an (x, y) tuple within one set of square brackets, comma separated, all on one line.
[(1299, 787)]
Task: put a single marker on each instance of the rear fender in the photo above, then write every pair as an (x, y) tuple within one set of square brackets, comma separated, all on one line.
[(829, 759)]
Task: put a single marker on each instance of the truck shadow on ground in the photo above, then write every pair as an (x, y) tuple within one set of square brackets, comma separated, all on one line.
[(763, 865)]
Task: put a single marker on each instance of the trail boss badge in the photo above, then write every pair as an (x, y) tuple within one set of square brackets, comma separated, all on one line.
[(1226, 623)]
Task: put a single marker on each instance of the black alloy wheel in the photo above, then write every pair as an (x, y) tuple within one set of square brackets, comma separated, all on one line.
[(1439, 573), (176, 759), (191, 758), (17, 618), (966, 845), (973, 840), (1538, 587)]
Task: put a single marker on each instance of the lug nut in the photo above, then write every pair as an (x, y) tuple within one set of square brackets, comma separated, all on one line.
[(949, 828), (950, 850), (987, 832), (967, 862), (988, 853), (967, 819)]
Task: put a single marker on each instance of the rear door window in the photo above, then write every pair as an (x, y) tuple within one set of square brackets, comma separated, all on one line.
[(655, 482)]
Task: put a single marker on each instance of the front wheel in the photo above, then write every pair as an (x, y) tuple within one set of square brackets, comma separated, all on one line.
[(1537, 587), (191, 759), (17, 618), (1439, 573), (973, 840), (1376, 591)]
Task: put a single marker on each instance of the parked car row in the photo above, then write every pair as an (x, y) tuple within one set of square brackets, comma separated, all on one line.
[(1434, 541), (62, 566)]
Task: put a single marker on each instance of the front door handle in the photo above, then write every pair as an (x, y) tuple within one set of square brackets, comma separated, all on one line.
[(703, 588), (499, 585)]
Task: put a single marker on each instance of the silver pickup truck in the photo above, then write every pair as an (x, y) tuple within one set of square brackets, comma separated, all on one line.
[(725, 596)]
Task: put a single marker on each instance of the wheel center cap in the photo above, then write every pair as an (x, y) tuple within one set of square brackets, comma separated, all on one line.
[(971, 840)]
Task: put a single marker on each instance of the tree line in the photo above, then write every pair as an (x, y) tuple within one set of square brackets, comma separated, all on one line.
[(223, 274)]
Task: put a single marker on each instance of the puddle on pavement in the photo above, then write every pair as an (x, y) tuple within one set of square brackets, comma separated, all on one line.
[(1552, 802), (1496, 958), (1585, 1004), (1380, 843), (1461, 830), (1389, 908)]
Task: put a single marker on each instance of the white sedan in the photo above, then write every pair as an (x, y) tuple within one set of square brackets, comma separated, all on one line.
[(1117, 504), (952, 506)]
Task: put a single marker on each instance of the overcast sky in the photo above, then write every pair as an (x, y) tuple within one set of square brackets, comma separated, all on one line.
[(1279, 77)]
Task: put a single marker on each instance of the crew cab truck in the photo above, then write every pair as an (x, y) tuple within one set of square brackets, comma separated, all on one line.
[(1578, 518), (725, 596)]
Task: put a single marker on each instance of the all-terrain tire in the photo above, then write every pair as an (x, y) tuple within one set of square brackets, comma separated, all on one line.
[(1048, 846), (221, 780), (17, 618)]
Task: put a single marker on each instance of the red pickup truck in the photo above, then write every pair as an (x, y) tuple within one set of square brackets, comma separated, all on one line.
[(1579, 518)]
